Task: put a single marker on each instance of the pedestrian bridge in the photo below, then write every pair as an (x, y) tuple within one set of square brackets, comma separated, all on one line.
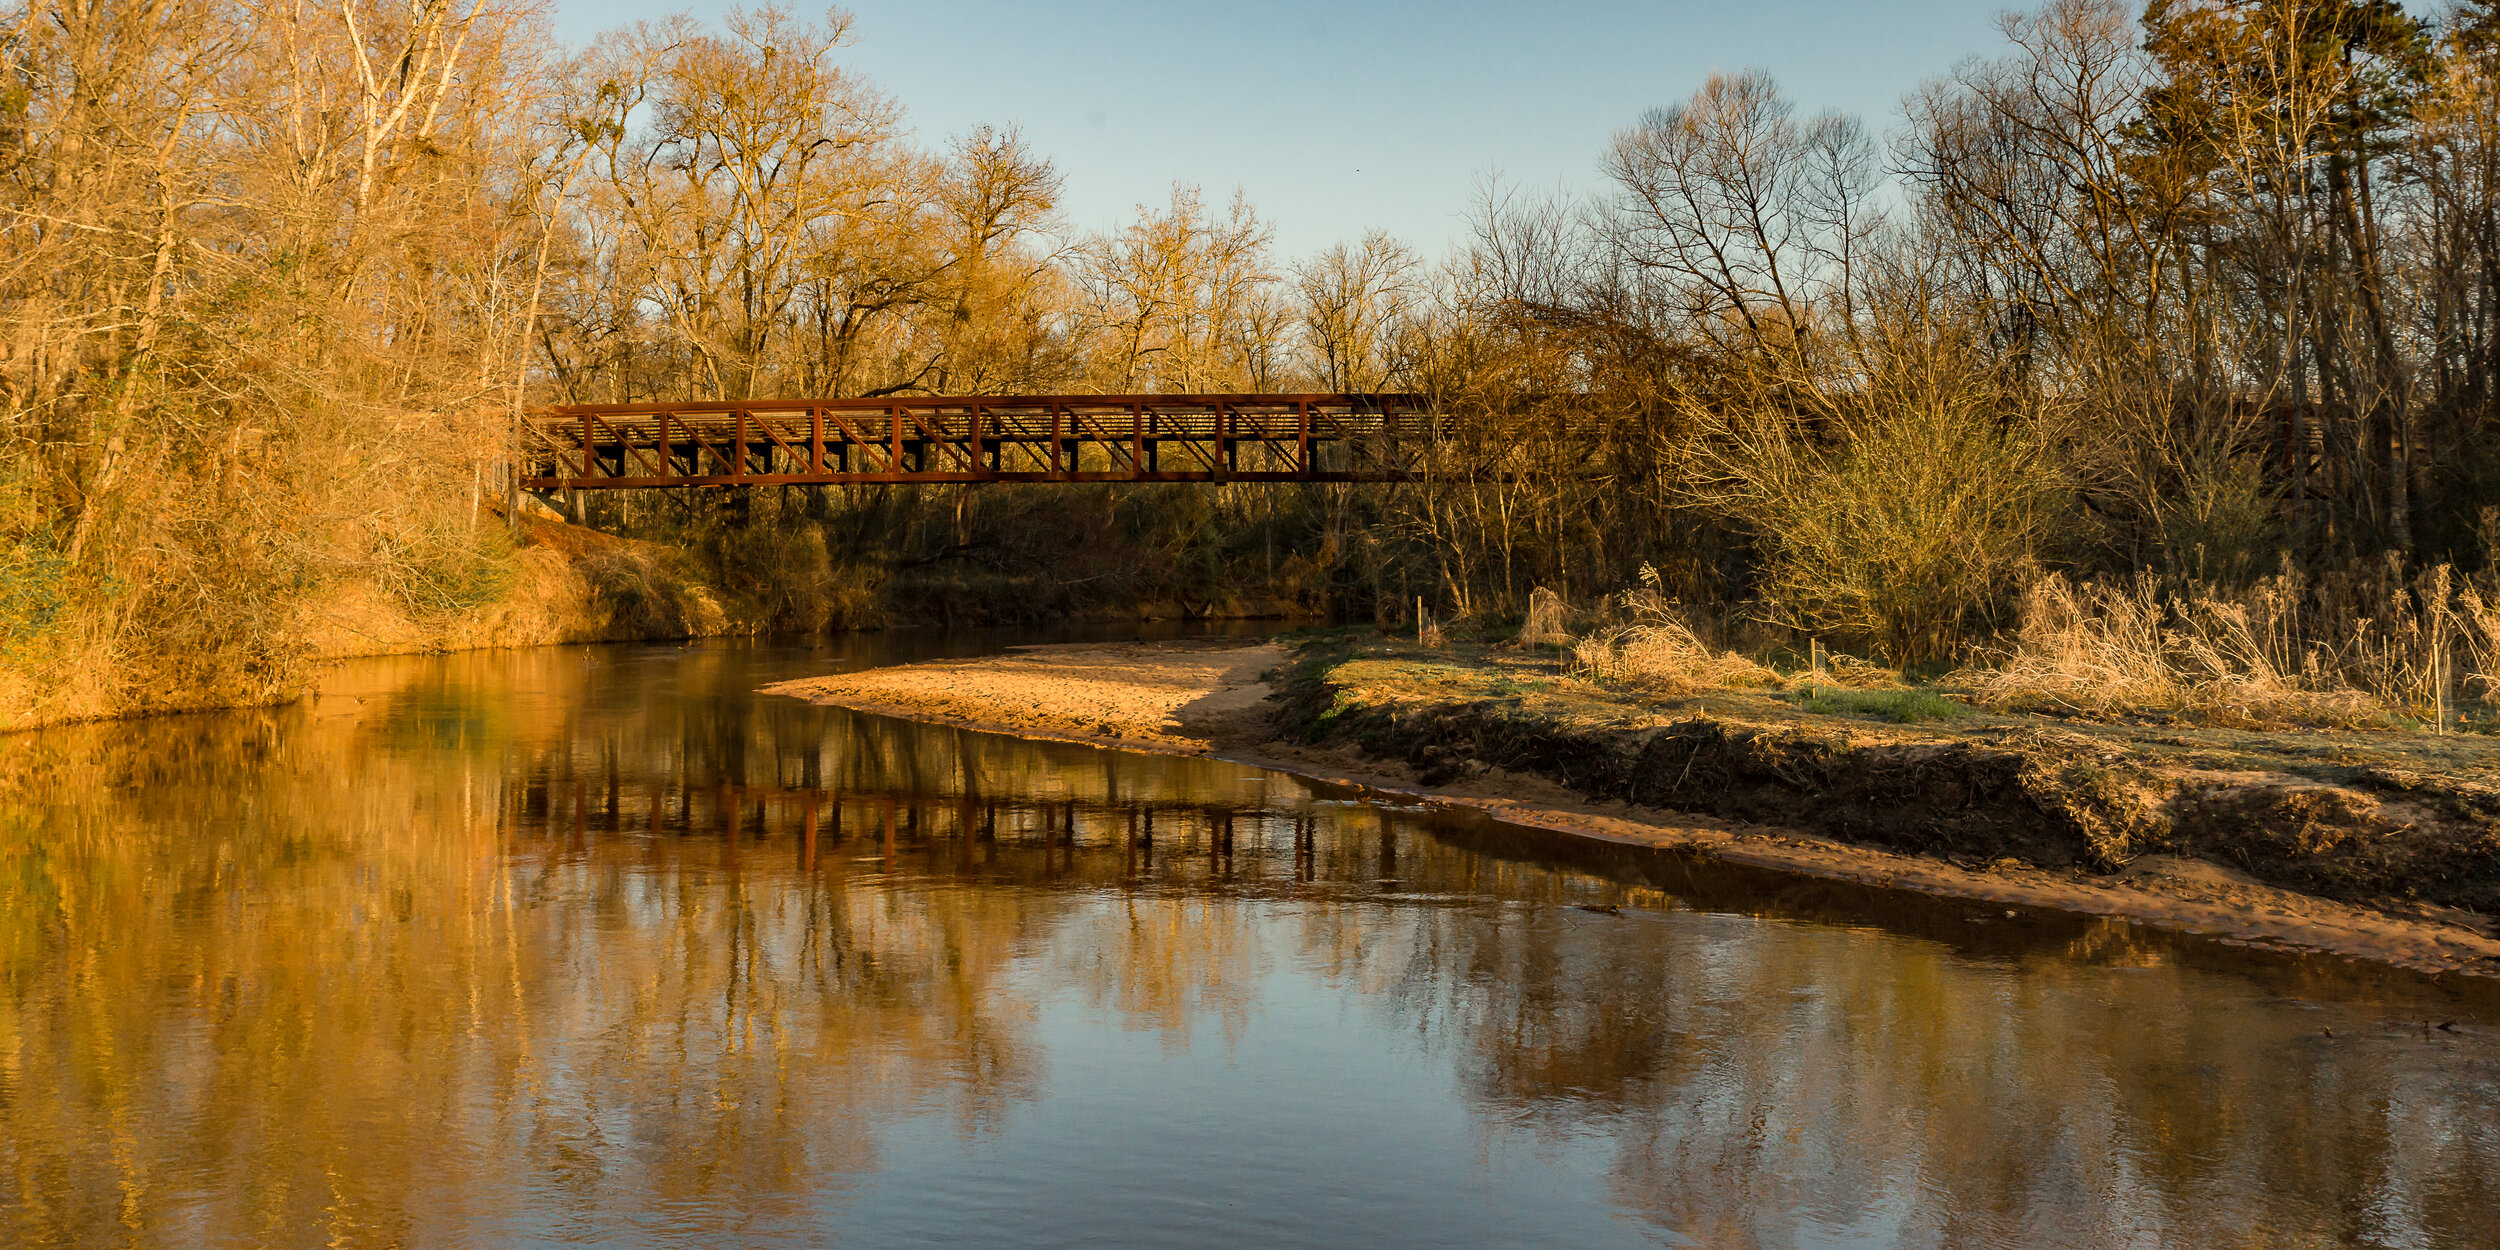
[(974, 438)]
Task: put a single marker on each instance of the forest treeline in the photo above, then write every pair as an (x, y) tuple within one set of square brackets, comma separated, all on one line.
[(2193, 305)]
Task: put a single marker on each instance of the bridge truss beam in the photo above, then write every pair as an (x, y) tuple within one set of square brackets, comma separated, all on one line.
[(984, 438)]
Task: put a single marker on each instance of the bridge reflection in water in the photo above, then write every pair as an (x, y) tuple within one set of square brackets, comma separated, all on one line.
[(813, 822), (977, 438)]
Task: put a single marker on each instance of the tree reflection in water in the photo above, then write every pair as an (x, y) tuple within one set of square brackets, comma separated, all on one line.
[(593, 944)]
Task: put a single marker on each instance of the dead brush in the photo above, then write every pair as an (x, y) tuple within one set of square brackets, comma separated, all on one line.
[(2237, 670), (2478, 621), (2095, 648), (1548, 622), (1657, 649), (2341, 650), (1848, 672), (1666, 658)]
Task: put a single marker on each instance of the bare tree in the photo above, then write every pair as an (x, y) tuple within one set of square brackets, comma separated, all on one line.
[(1356, 304)]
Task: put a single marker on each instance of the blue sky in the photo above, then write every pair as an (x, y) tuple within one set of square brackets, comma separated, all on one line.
[(1336, 118)]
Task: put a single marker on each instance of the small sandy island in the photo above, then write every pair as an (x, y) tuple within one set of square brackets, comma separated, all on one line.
[(1210, 698), (1175, 697)]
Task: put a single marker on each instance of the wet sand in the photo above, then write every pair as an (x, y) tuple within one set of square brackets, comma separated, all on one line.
[(1208, 698)]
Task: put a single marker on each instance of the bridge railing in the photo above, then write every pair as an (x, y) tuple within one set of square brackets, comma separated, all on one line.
[(985, 438)]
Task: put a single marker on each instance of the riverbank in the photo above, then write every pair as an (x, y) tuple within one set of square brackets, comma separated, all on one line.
[(558, 583), (569, 584), (2380, 846)]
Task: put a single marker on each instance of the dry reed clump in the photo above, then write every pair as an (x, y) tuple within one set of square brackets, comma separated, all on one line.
[(1667, 657), (1430, 633), (1548, 622), (1657, 648), (2339, 650)]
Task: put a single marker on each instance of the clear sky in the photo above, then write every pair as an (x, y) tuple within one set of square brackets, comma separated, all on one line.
[(1339, 117)]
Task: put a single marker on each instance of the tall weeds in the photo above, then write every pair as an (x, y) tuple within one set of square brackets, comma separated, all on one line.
[(1643, 640), (2357, 645)]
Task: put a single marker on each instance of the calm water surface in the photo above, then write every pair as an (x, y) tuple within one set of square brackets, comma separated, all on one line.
[(597, 946)]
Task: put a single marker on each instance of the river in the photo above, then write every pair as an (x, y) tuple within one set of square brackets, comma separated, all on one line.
[(595, 945)]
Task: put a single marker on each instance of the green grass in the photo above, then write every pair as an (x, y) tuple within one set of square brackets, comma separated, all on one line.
[(1318, 729), (1902, 707)]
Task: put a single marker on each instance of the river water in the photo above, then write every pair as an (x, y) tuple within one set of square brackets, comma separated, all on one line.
[(597, 946)]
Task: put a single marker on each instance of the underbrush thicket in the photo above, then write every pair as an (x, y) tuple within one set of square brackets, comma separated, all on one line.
[(809, 559)]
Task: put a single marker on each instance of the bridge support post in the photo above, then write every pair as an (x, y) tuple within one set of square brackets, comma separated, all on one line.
[(1225, 465)]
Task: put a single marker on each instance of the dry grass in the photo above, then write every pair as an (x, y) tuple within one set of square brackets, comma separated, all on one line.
[(1646, 641), (1668, 658), (1549, 620), (2347, 649), (1848, 672), (2369, 644)]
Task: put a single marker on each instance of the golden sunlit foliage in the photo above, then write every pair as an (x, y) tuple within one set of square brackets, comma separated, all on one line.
[(2181, 293)]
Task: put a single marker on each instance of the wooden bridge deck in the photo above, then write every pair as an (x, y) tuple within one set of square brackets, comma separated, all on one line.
[(974, 438)]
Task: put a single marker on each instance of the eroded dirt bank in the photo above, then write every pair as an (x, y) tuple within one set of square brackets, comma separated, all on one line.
[(2352, 847)]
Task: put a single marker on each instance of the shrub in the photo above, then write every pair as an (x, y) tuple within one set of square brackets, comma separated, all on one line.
[(33, 588), (1904, 515)]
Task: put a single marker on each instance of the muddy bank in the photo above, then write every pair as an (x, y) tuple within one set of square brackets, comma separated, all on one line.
[(2383, 862), (2395, 820)]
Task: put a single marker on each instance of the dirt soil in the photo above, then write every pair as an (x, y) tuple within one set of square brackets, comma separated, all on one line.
[(2376, 846)]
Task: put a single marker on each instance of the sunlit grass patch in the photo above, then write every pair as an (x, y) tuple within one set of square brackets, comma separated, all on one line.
[(1902, 707)]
